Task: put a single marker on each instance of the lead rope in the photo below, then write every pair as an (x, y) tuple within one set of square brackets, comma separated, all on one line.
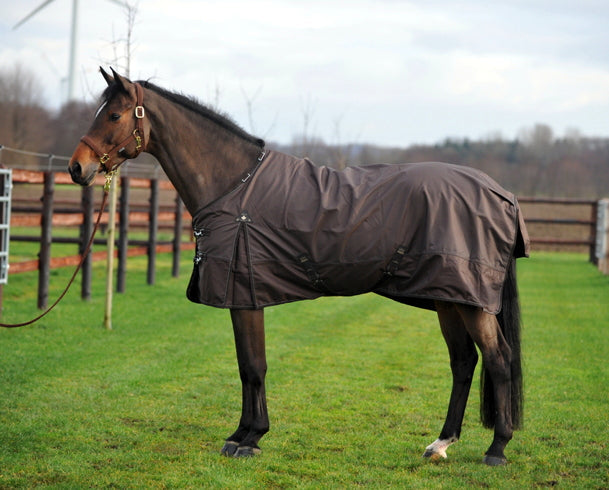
[(109, 177)]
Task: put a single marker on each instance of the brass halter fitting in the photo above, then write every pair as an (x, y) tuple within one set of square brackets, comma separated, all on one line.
[(109, 176)]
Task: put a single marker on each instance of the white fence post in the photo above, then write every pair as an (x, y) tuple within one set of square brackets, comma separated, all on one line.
[(6, 185), (602, 235)]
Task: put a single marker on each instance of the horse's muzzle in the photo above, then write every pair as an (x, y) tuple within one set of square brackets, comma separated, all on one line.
[(76, 172)]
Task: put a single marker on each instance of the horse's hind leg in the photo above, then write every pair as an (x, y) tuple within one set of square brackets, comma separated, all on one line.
[(497, 357), (248, 327), (463, 359)]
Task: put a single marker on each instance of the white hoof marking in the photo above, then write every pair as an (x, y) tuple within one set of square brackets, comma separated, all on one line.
[(438, 448)]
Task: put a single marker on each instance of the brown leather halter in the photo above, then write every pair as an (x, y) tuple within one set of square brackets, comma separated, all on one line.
[(137, 136)]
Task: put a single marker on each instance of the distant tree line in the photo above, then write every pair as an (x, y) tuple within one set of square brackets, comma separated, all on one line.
[(536, 163)]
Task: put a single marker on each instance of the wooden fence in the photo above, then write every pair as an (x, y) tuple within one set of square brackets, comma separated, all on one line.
[(163, 211), (562, 224)]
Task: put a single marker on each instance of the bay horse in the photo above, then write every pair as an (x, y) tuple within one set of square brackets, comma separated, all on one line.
[(271, 228)]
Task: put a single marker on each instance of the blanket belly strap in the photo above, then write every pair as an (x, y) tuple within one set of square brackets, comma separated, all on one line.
[(312, 273), (396, 260)]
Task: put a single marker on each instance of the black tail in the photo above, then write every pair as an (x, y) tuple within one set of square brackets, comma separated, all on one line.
[(509, 320)]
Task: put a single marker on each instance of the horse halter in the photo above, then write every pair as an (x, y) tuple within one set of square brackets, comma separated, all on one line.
[(137, 136)]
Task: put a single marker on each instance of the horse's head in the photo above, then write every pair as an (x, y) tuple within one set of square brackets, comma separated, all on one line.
[(119, 131)]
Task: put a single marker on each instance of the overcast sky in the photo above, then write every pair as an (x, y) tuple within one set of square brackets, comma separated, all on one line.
[(388, 72)]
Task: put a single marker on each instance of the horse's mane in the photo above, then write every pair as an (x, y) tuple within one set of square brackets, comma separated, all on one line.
[(191, 104)]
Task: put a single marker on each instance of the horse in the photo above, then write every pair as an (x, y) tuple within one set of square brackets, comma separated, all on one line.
[(271, 228)]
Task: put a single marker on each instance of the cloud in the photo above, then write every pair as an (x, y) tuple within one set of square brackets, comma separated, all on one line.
[(392, 72)]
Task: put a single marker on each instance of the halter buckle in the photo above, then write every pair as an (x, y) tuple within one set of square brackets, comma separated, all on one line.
[(140, 112), (104, 158)]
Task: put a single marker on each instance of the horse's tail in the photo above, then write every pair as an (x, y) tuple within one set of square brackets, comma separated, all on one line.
[(509, 321)]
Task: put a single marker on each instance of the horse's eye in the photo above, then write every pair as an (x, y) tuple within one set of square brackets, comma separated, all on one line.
[(115, 117)]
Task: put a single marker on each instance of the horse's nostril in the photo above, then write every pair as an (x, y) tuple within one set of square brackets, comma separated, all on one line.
[(75, 170)]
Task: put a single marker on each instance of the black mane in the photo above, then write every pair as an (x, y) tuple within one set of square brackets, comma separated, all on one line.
[(193, 105)]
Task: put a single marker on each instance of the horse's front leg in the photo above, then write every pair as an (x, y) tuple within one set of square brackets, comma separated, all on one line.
[(248, 326)]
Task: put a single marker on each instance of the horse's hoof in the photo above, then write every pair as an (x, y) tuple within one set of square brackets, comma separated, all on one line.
[(247, 451), (437, 449), (232, 449), (229, 448), (433, 455), (494, 460)]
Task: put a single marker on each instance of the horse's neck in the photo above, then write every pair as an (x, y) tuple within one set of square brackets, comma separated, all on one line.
[(202, 160)]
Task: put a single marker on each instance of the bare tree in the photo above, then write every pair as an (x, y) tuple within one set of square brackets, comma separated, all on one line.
[(123, 47), (306, 141), (339, 152), (249, 102), (71, 122), (24, 123), (215, 98)]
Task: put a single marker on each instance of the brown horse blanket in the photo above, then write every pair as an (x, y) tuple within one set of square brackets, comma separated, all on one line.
[(414, 233)]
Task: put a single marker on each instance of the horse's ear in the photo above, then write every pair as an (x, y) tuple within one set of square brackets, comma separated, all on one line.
[(123, 82), (108, 78)]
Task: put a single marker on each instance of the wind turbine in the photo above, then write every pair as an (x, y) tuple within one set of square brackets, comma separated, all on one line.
[(73, 37)]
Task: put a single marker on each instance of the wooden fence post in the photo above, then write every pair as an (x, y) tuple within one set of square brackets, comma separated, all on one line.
[(123, 238), (153, 230), (86, 230), (177, 237), (44, 256)]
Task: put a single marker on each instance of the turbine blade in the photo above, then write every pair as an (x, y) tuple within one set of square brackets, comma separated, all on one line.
[(31, 14), (118, 2)]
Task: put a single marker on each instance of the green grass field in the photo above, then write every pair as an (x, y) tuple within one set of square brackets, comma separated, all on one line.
[(357, 387)]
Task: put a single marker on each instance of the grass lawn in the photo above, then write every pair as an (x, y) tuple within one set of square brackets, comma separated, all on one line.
[(357, 387)]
